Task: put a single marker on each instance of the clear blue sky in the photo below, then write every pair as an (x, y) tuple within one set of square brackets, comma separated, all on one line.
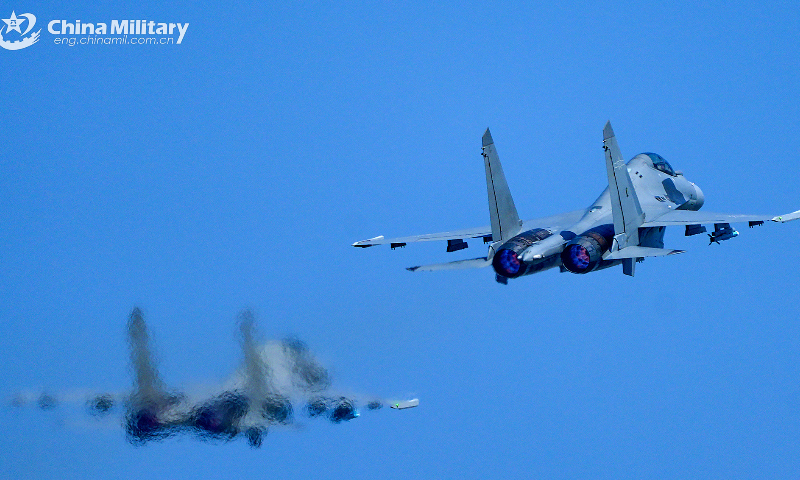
[(235, 170)]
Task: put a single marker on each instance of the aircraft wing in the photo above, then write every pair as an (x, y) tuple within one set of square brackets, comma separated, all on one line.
[(689, 217), (553, 223), (787, 218), (430, 237)]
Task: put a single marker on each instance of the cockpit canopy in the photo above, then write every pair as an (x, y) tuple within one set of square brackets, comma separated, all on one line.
[(659, 163)]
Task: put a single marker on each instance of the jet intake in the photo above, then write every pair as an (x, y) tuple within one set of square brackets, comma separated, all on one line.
[(696, 199), (585, 252), (508, 261)]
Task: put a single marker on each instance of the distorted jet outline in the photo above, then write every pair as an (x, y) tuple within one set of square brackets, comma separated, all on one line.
[(623, 226), (262, 394)]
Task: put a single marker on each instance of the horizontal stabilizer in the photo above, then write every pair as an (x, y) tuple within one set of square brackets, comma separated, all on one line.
[(788, 217), (639, 252), (457, 265), (369, 243)]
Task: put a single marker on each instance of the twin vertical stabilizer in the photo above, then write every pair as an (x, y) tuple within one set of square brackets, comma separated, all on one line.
[(625, 208), (503, 213)]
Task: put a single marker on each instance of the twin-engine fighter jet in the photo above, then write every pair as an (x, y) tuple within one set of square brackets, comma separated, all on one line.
[(274, 379), (623, 226)]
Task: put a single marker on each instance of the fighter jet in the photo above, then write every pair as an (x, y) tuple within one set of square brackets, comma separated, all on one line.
[(260, 395), (623, 226)]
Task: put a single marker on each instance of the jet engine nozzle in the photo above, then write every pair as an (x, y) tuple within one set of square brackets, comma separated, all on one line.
[(510, 260), (219, 418), (507, 263), (585, 252)]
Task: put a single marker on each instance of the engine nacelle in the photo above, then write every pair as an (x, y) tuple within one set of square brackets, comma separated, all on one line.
[(151, 417), (585, 252), (507, 261)]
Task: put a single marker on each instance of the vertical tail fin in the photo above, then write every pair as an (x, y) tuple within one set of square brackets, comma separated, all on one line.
[(147, 382), (503, 213), (625, 208), (255, 370)]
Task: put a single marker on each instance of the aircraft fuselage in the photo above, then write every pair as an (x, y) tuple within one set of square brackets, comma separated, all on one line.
[(579, 247)]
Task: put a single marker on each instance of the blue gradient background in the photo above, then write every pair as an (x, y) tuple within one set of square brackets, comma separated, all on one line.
[(235, 170)]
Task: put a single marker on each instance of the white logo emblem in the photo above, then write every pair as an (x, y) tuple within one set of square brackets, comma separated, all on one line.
[(13, 24)]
